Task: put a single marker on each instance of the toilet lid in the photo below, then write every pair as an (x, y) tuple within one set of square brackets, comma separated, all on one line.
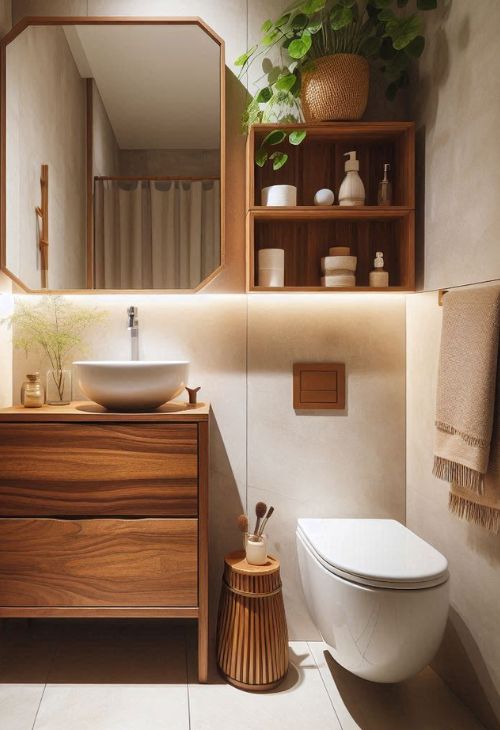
[(374, 552)]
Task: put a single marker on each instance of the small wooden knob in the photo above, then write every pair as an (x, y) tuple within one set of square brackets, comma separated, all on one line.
[(192, 394)]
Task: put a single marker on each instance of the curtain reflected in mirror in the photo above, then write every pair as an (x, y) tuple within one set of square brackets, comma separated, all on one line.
[(156, 234), (130, 123)]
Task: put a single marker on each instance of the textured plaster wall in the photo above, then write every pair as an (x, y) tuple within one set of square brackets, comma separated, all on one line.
[(45, 108), (457, 107)]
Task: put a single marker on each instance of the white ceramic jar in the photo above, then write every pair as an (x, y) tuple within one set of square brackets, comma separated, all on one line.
[(279, 195)]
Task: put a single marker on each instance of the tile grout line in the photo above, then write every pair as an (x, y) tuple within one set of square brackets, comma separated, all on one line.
[(324, 686), (186, 660), (53, 655), (39, 705)]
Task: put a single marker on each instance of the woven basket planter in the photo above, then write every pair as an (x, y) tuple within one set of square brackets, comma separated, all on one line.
[(336, 89)]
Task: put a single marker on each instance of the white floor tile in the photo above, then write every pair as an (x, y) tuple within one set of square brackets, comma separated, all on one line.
[(421, 703), (299, 702), (18, 705), (114, 707)]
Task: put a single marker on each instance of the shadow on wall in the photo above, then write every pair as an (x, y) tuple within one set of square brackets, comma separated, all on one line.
[(461, 666), (426, 99), (224, 507)]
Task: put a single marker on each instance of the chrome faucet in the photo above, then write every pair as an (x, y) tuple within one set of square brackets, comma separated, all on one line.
[(133, 328)]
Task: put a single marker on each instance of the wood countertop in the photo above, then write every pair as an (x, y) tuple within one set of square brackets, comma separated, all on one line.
[(88, 411)]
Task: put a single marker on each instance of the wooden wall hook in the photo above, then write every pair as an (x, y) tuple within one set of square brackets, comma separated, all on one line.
[(42, 212)]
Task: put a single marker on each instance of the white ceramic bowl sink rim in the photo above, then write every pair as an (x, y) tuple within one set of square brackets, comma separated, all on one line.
[(131, 384)]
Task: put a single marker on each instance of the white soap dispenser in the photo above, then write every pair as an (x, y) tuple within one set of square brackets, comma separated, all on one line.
[(379, 277), (352, 190)]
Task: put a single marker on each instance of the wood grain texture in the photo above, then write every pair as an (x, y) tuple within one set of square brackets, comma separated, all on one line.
[(98, 469), (88, 412), (306, 231), (203, 623), (98, 612), (252, 636), (47, 562)]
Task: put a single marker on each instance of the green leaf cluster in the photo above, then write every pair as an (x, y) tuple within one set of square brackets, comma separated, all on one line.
[(52, 326), (388, 32)]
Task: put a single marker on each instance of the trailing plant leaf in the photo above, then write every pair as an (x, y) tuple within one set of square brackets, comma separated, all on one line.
[(426, 4), (404, 30), (283, 20), (266, 26), (370, 46), (279, 159), (245, 57), (300, 46), (416, 47), (340, 16), (300, 21), (275, 137), (297, 136), (285, 83), (264, 95), (261, 157)]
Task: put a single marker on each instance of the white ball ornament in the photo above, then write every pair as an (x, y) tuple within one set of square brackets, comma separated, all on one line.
[(325, 196)]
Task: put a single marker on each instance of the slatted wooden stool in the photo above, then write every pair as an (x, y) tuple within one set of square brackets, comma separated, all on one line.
[(252, 636)]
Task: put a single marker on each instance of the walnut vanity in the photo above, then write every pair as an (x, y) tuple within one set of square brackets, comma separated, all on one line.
[(105, 514)]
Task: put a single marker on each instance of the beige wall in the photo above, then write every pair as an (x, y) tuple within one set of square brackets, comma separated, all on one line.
[(105, 150), (457, 107), (172, 162), (40, 68), (6, 301)]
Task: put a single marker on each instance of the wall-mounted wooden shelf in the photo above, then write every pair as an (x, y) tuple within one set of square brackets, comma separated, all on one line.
[(306, 231)]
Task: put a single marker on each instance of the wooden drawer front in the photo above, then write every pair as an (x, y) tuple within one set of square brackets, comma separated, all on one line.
[(98, 469), (145, 562)]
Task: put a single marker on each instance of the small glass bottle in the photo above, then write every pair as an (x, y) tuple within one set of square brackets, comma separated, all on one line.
[(379, 277), (58, 387), (32, 393), (385, 188)]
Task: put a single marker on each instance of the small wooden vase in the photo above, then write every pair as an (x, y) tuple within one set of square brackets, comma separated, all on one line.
[(252, 635)]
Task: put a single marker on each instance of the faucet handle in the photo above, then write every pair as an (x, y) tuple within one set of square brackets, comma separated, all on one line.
[(193, 394)]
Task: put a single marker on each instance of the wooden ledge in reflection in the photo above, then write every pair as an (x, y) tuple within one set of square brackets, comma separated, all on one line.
[(88, 411)]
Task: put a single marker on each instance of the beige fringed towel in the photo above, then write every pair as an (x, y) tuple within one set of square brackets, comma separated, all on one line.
[(465, 413)]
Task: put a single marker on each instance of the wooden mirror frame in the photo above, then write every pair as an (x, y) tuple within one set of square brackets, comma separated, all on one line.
[(128, 20)]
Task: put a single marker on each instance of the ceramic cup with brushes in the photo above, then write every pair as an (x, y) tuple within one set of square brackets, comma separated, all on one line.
[(256, 542)]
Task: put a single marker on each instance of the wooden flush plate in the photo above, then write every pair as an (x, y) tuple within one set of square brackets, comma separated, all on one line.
[(318, 386)]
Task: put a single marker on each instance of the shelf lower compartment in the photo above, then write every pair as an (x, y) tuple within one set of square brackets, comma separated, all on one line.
[(306, 240)]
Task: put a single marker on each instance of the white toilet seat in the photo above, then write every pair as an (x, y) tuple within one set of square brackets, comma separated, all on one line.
[(378, 594), (378, 553)]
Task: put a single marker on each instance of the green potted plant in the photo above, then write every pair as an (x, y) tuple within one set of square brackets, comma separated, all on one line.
[(325, 49), (52, 327)]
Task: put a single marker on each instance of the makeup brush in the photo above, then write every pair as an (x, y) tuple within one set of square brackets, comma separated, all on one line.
[(260, 511), (264, 521), (243, 523)]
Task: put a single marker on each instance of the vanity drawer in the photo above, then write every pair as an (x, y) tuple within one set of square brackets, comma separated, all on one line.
[(56, 562), (98, 469)]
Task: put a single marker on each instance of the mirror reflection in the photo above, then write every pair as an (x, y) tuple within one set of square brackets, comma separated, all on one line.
[(113, 156)]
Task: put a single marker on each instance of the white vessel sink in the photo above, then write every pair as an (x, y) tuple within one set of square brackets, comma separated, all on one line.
[(131, 385)]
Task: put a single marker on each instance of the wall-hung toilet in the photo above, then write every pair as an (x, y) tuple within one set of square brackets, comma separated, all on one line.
[(377, 593)]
